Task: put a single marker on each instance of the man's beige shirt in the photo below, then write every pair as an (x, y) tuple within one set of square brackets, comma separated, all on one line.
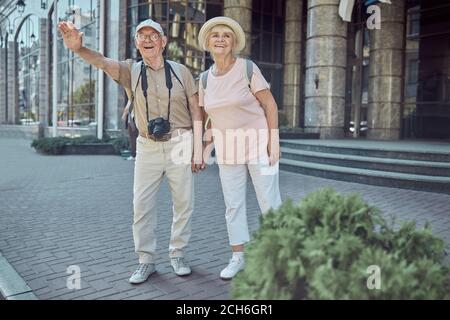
[(158, 96)]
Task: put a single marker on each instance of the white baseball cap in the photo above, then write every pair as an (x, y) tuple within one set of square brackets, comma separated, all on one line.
[(152, 24)]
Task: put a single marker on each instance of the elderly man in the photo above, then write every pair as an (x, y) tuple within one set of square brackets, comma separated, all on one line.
[(165, 107)]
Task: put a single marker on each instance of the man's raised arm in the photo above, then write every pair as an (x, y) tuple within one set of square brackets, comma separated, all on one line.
[(73, 40)]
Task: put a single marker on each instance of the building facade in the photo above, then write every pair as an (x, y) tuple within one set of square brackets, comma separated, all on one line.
[(341, 68)]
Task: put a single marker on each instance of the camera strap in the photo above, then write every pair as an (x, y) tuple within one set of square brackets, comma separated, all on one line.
[(169, 83), (144, 84)]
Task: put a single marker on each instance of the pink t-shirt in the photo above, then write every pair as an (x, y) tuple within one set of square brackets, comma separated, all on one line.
[(239, 124)]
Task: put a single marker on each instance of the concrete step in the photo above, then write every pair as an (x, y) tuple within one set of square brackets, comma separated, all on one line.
[(366, 176), (298, 135), (417, 167), (371, 149)]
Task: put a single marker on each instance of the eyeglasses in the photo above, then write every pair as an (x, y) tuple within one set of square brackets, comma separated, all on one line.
[(153, 36)]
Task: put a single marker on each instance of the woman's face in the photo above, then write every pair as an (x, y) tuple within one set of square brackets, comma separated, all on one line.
[(221, 41)]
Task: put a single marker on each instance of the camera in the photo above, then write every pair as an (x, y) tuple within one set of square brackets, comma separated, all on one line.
[(158, 127)]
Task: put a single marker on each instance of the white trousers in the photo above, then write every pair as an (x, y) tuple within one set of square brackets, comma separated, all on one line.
[(234, 185), (154, 160)]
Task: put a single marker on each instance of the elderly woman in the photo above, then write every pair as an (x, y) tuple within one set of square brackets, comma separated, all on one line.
[(244, 120)]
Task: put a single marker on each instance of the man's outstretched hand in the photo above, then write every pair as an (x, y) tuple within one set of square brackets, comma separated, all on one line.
[(71, 35)]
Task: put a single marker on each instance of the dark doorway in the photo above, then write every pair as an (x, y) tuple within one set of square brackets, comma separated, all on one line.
[(426, 112)]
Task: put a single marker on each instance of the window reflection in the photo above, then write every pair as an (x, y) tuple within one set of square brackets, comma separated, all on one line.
[(426, 111), (267, 38), (181, 21), (28, 67), (77, 80)]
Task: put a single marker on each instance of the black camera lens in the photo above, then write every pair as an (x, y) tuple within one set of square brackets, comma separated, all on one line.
[(157, 131), (158, 127)]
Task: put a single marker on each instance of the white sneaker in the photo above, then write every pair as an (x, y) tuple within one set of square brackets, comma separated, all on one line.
[(235, 265), (130, 158), (180, 267), (142, 273)]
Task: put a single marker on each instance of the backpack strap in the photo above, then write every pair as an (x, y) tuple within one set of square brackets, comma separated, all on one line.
[(204, 79), (135, 76), (249, 71), (176, 71), (204, 82), (248, 74)]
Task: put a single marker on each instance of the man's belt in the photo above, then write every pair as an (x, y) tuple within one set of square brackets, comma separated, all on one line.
[(165, 137)]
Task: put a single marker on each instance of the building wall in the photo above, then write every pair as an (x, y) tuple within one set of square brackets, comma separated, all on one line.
[(314, 69), (2, 85)]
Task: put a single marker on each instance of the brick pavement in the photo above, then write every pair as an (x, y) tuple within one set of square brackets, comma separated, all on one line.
[(58, 211)]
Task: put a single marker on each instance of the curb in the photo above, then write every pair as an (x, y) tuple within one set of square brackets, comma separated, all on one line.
[(12, 285)]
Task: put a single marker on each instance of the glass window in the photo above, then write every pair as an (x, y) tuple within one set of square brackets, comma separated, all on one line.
[(414, 26), (267, 47), (267, 39), (76, 79), (413, 70), (426, 109), (181, 21), (28, 70)]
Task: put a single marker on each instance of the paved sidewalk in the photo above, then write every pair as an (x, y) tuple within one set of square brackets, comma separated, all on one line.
[(60, 211)]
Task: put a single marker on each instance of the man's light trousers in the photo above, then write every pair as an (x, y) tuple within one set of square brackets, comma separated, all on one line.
[(154, 160)]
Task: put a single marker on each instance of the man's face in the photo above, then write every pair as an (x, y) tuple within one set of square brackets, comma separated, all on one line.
[(150, 43)]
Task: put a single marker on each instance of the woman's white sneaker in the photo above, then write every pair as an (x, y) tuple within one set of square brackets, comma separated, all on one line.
[(235, 265)]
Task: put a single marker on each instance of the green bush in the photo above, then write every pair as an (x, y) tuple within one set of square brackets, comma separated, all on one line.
[(322, 247), (54, 146), (87, 139), (120, 143)]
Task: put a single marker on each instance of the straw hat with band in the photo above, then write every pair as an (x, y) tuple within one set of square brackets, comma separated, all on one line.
[(232, 24)]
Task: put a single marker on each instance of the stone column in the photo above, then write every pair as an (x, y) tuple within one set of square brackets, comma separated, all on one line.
[(44, 86), (386, 73), (13, 90), (2, 86), (293, 50), (122, 55), (113, 111), (326, 61), (123, 30), (241, 11)]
